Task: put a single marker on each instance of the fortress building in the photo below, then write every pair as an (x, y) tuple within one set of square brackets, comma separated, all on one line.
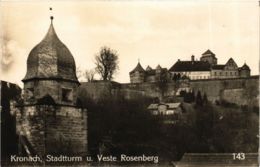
[(50, 120), (206, 68), (139, 75)]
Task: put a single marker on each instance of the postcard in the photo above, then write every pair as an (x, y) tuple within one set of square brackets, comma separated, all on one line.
[(130, 83)]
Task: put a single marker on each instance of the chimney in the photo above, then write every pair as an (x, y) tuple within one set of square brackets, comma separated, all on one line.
[(192, 58)]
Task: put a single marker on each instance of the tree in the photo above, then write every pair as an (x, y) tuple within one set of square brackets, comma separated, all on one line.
[(78, 73), (106, 63), (90, 74), (199, 99), (205, 99), (162, 83)]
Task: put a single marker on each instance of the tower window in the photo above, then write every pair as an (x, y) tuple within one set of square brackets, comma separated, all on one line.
[(66, 95), (30, 93)]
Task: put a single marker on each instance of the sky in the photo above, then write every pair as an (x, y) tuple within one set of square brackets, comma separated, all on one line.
[(153, 32)]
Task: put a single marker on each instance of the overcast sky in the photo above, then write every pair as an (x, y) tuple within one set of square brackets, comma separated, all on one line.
[(156, 32)]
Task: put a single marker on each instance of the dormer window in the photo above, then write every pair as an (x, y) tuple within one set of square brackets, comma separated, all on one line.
[(67, 95)]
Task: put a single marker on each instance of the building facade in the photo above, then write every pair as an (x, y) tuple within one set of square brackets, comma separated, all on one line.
[(205, 68), (50, 119)]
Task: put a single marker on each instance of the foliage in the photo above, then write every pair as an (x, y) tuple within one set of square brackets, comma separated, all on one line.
[(126, 127), (106, 63), (89, 75)]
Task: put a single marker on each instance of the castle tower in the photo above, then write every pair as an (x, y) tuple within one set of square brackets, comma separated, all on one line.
[(244, 71), (137, 75), (49, 121), (209, 57), (51, 71)]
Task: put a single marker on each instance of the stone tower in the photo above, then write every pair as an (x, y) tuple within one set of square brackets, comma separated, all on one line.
[(50, 121), (244, 71), (210, 57), (137, 75)]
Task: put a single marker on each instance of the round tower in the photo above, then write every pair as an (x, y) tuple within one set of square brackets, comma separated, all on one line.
[(244, 71), (51, 71), (49, 120), (137, 75)]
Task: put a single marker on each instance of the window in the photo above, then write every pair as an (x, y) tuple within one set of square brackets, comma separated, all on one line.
[(30, 93), (66, 95), (226, 73), (215, 73)]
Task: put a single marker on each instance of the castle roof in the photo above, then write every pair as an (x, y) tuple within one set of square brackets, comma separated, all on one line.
[(231, 62), (208, 52), (218, 67), (190, 66), (148, 68), (51, 59), (158, 67), (138, 68), (244, 67)]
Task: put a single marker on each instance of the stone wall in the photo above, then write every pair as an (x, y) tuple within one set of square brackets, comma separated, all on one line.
[(53, 129), (231, 90)]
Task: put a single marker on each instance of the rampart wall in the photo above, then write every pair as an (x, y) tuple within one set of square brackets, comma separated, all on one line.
[(231, 90)]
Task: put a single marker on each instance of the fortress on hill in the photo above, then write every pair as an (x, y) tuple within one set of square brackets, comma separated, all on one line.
[(227, 81), (205, 68)]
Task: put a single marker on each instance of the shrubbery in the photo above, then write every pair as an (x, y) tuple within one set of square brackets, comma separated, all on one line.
[(119, 126)]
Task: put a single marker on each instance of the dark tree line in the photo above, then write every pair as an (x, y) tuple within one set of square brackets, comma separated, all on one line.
[(189, 97)]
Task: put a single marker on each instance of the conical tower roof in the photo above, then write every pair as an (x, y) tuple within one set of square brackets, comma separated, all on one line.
[(138, 68), (148, 68), (51, 59), (158, 67), (245, 67)]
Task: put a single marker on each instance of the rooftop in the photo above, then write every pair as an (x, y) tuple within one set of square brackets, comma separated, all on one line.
[(190, 66)]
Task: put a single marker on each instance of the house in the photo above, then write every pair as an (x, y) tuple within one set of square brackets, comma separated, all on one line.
[(169, 112)]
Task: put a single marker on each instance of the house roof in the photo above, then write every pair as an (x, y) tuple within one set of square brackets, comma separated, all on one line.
[(218, 67), (138, 68), (155, 106), (216, 159), (173, 105), (190, 66), (152, 107)]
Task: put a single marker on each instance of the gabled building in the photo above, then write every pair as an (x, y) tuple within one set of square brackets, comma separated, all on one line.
[(139, 75), (205, 68), (228, 70), (192, 69)]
